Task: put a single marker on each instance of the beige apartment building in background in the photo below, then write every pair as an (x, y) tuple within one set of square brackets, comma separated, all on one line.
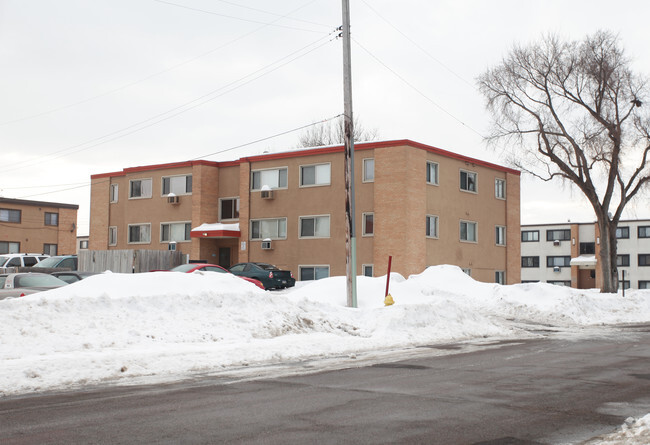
[(419, 204), (37, 227)]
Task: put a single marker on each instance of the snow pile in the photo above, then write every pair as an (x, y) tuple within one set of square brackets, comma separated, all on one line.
[(633, 431), (162, 326)]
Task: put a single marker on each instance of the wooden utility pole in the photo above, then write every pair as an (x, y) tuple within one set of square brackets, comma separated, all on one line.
[(350, 237)]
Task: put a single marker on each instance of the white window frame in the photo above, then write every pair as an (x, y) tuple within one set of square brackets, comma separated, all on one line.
[(177, 241), (236, 199), (468, 173), (131, 181), (262, 237), (113, 193), (372, 270), (364, 231), (500, 188), (366, 170), (313, 266), (500, 235), (162, 185), (316, 176), (437, 171), (314, 217), (112, 229), (436, 221), (460, 227), (500, 277), (278, 169), (128, 233)]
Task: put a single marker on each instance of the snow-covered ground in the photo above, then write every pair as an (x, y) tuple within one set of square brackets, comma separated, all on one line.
[(128, 328)]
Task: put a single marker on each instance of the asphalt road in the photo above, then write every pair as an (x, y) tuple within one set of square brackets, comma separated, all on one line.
[(551, 390)]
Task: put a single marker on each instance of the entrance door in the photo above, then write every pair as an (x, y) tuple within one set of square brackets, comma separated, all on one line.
[(224, 257)]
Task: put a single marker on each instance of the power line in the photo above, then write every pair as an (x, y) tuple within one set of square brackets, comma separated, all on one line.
[(156, 74), (232, 17), (418, 46), (87, 184), (201, 100), (414, 88)]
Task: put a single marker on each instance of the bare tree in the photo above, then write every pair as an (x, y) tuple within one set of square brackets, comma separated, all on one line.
[(333, 133), (576, 111)]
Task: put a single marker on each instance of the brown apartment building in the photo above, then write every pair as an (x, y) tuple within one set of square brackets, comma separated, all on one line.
[(37, 227), (419, 204)]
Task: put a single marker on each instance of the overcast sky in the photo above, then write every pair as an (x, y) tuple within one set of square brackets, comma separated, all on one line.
[(94, 86)]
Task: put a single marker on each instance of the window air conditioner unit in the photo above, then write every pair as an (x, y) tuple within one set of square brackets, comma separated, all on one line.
[(173, 199), (556, 242), (267, 194), (556, 269), (171, 245), (266, 245)]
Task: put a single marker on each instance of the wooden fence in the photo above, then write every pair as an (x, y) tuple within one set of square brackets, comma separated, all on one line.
[(128, 261)]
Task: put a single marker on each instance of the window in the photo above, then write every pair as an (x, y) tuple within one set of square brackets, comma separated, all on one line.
[(529, 261), (432, 226), (558, 235), (468, 231), (83, 244), (623, 260), (140, 188), (642, 231), (367, 270), (315, 175), (560, 283), (228, 208), (269, 228), (113, 193), (644, 259), (500, 235), (644, 284), (587, 248), (622, 232), (51, 219), (369, 170), (274, 178), (623, 284), (10, 215), (175, 232), (308, 273), (558, 261), (314, 226), (500, 277), (500, 188), (178, 185), (139, 233), (50, 249), (368, 224), (112, 236), (432, 173), (530, 236), (468, 181), (467, 271), (9, 247)]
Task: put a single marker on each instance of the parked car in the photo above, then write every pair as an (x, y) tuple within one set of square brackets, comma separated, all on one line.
[(59, 261), (14, 285), (270, 276), (205, 267), (21, 259), (72, 276)]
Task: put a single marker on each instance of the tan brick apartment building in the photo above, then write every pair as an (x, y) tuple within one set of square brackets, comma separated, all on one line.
[(420, 204), (37, 227)]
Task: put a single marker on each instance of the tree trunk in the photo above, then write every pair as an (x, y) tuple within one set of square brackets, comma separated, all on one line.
[(608, 267)]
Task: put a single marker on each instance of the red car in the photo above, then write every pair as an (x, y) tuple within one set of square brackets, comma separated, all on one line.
[(205, 267)]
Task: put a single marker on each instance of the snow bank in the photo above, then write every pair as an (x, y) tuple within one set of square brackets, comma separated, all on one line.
[(162, 326)]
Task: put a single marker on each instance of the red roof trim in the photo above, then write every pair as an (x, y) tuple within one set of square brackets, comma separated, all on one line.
[(215, 234), (312, 152)]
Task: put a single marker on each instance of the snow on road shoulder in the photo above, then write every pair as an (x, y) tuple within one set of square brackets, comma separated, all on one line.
[(164, 326)]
